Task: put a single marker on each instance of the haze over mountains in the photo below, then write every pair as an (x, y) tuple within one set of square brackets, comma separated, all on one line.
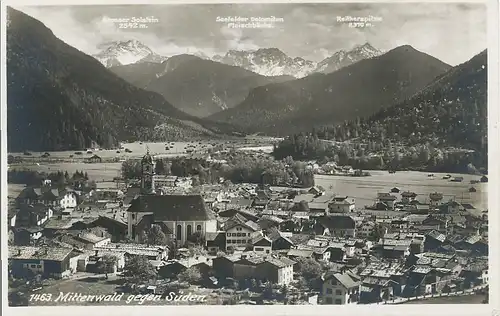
[(358, 90), (194, 85), (60, 98)]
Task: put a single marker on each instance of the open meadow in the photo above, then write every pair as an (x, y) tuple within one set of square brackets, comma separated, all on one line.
[(365, 189)]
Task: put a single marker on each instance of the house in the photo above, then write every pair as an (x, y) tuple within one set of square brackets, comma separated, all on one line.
[(395, 190), (340, 289), (381, 280), (223, 266), (93, 159), (178, 215), (407, 197), (240, 232), (116, 226), (434, 240), (316, 190), (457, 179), (300, 253), (277, 270), (366, 229), (33, 215), (339, 226), (387, 199), (50, 262), (280, 240), (27, 235), (215, 242), (341, 204), (269, 221), (152, 252), (48, 196), (262, 244), (435, 198), (389, 248)]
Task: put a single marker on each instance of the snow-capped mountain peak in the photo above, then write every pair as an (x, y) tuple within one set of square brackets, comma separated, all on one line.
[(268, 62), (345, 58), (125, 53)]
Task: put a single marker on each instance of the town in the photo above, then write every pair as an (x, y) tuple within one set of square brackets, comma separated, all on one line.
[(245, 243)]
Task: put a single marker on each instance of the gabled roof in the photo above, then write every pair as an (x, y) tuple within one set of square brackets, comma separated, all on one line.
[(337, 222), (281, 262), (261, 241), (38, 253), (305, 253), (345, 279), (240, 220), (172, 207)]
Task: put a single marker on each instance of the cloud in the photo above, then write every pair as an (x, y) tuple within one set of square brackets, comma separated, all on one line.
[(448, 31)]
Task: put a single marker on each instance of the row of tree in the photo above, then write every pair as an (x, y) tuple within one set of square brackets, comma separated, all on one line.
[(240, 168), (58, 178), (376, 155)]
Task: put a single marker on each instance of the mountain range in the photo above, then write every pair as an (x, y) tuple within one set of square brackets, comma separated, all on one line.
[(126, 53), (358, 90), (269, 62), (194, 85), (60, 98), (451, 110)]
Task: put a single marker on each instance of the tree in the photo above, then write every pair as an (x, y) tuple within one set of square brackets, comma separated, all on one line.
[(107, 264), (139, 269), (160, 167), (156, 236), (191, 275), (310, 270)]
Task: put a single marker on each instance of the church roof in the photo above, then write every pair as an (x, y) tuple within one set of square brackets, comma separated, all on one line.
[(172, 207)]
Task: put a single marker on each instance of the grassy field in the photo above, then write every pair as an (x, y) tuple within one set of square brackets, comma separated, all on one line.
[(138, 149), (365, 189)]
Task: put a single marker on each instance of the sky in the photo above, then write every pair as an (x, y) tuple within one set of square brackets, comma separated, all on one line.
[(451, 32)]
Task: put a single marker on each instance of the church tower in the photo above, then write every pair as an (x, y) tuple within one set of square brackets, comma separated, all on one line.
[(147, 170)]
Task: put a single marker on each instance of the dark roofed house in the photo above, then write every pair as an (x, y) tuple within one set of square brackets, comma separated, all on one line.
[(340, 226), (215, 241), (181, 215), (395, 190), (93, 159), (407, 196), (280, 240), (33, 215)]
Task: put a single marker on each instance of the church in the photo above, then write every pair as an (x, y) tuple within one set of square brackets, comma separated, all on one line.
[(179, 216)]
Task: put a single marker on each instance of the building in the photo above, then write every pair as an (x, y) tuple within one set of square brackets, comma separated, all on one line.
[(340, 289), (50, 262), (262, 244), (47, 196), (341, 204), (366, 229), (435, 198), (152, 252), (339, 226), (27, 235), (178, 215), (387, 199), (240, 232), (277, 270), (33, 215), (93, 159), (407, 197)]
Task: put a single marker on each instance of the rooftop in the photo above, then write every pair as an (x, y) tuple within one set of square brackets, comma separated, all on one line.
[(38, 253)]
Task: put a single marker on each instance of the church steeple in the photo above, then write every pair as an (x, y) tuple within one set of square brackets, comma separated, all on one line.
[(147, 170)]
